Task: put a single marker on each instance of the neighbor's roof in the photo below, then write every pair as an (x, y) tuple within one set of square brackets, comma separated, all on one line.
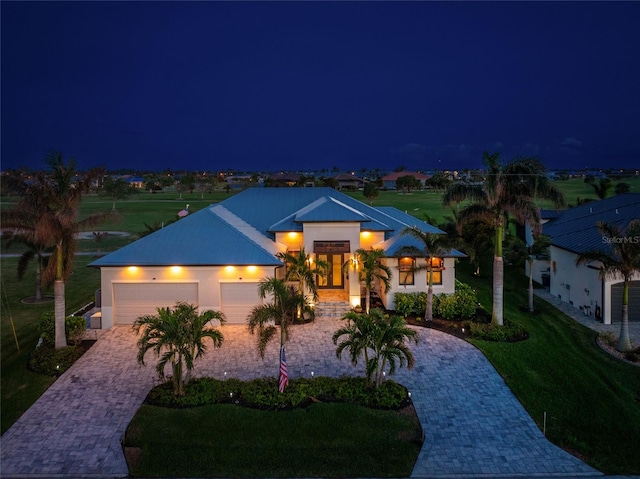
[(241, 230), (576, 228)]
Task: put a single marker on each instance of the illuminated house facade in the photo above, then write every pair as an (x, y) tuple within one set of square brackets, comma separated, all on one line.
[(216, 257)]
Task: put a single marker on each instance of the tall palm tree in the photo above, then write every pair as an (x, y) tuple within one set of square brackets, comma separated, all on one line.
[(300, 268), (264, 320), (623, 259), (380, 338), (53, 199), (433, 246), (509, 189), (371, 270), (177, 337)]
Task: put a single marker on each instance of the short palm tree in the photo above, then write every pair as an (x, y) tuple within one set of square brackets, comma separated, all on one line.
[(433, 246), (264, 320), (177, 336), (35, 251), (623, 259), (510, 189), (379, 338), (300, 268), (371, 270), (48, 215)]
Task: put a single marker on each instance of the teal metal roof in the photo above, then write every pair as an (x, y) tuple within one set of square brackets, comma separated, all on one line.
[(394, 245), (328, 209), (202, 238), (241, 230)]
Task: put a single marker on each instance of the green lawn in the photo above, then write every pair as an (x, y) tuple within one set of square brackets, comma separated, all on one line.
[(20, 387), (324, 440), (591, 400)]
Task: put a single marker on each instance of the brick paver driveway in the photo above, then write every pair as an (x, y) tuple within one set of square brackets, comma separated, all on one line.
[(472, 422)]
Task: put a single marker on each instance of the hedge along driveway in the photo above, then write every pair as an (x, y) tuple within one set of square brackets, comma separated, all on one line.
[(472, 422)]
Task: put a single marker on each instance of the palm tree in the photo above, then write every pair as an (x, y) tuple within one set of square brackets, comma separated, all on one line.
[(264, 320), (34, 250), (510, 189), (177, 337), (380, 338), (370, 269), (48, 214), (602, 187), (623, 259), (301, 269), (434, 246)]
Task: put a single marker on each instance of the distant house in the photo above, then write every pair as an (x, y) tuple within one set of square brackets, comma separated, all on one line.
[(135, 181), (349, 182), (216, 257), (574, 232), (389, 181), (283, 179)]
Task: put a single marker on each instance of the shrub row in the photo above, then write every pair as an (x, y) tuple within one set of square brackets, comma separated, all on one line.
[(510, 331), (75, 326), (459, 305), (49, 361), (263, 393)]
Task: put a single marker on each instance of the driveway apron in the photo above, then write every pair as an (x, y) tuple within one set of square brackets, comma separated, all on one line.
[(473, 424)]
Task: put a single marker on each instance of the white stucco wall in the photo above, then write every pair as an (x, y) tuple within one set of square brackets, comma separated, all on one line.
[(576, 285), (208, 279), (420, 280)]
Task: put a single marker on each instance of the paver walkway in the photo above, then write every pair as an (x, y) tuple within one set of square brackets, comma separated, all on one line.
[(473, 424)]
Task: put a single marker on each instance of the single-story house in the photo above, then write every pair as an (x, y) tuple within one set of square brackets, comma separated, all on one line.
[(389, 181), (574, 232), (215, 258), (348, 181)]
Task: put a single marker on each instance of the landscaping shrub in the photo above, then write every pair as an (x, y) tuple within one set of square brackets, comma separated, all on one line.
[(510, 331), (53, 362), (459, 305), (75, 327), (263, 393), (405, 303)]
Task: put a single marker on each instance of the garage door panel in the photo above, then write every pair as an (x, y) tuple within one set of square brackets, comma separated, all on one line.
[(634, 301), (237, 300), (132, 300)]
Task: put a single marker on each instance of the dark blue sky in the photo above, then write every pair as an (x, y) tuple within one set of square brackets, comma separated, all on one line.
[(311, 85)]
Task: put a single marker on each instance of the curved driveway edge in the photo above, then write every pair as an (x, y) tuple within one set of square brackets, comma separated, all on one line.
[(473, 424)]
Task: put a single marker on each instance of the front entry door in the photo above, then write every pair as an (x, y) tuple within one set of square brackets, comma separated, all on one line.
[(334, 278)]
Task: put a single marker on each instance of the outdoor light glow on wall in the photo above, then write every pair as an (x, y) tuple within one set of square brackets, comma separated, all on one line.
[(365, 234), (252, 269), (132, 269), (176, 269), (292, 235), (229, 269)]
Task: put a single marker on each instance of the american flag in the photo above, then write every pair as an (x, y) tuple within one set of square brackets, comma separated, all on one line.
[(284, 377)]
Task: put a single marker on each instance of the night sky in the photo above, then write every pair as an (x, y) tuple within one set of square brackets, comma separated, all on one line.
[(310, 85)]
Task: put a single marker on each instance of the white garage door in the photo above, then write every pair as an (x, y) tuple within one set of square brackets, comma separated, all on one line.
[(139, 299), (237, 300)]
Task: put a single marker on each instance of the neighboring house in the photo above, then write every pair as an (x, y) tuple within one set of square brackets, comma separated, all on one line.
[(216, 257), (135, 181), (573, 232), (389, 181), (349, 182)]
